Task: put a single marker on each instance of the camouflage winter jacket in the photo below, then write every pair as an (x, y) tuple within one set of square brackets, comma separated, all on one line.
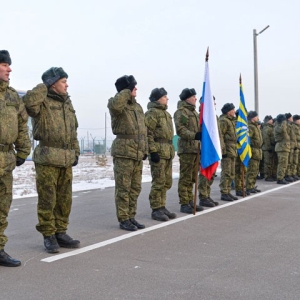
[(268, 137), (297, 133), (256, 140), (54, 125), (14, 138), (160, 130), (282, 137), (128, 124), (228, 132), (187, 125), (292, 134)]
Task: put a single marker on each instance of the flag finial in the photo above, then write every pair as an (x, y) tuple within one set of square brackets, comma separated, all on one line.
[(207, 54), (240, 78)]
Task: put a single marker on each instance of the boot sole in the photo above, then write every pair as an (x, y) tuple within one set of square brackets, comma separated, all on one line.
[(67, 245), (10, 265)]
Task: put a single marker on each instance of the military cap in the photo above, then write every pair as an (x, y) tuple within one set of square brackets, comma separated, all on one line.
[(187, 93), (227, 107), (125, 82), (252, 114), (157, 93), (5, 57), (288, 115), (280, 118), (296, 117), (268, 118), (52, 75)]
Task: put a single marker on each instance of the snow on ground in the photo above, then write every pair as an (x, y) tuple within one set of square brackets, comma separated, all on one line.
[(92, 172)]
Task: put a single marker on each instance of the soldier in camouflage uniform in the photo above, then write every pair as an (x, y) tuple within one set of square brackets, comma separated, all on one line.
[(290, 171), (296, 119), (128, 150), (14, 148), (55, 127), (268, 148), (282, 147), (229, 153), (160, 134), (255, 144), (188, 129)]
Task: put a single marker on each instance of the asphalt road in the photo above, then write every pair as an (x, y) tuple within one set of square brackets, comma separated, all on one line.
[(246, 249)]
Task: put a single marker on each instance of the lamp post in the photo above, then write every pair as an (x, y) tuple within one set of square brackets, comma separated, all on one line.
[(256, 106)]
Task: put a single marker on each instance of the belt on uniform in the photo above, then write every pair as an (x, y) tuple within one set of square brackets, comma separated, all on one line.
[(165, 141), (59, 145), (131, 136), (6, 148)]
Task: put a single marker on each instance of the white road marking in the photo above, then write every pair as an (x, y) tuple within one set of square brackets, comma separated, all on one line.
[(158, 226)]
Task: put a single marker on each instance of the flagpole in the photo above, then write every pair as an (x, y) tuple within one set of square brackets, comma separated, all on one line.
[(198, 154)]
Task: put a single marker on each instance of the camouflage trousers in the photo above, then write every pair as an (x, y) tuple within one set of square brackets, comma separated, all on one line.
[(283, 158), (240, 172), (54, 188), (290, 166), (161, 173), (252, 172), (204, 186), (227, 174), (293, 162), (187, 177), (269, 164), (5, 203), (128, 185)]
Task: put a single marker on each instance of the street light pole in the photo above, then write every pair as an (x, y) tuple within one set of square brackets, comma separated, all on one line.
[(256, 104)]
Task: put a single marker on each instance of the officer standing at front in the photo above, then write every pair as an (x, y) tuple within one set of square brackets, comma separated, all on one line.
[(14, 147)]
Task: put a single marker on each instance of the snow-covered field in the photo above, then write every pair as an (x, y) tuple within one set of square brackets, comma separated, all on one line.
[(92, 172)]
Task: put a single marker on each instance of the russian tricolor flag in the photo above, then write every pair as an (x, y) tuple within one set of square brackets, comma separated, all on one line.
[(210, 144)]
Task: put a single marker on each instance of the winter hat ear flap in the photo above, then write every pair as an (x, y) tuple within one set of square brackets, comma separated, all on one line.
[(157, 93), (5, 57)]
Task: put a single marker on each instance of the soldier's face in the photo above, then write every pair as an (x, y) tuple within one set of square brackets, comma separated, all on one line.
[(192, 100), (231, 113), (60, 86), (4, 71), (133, 93), (163, 100)]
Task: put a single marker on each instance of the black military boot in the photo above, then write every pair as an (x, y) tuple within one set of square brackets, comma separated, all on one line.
[(296, 177), (186, 208), (251, 191), (64, 240), (158, 215), (269, 179), (127, 225), (206, 202), (7, 261), (282, 181), (226, 197), (240, 193), (171, 215), (213, 201), (51, 244), (289, 179), (233, 197), (198, 207), (137, 224)]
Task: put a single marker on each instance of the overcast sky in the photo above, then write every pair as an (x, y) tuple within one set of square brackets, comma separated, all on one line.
[(162, 43)]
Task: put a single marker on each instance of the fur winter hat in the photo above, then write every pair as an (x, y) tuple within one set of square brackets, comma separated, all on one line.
[(280, 118), (252, 114), (157, 93), (296, 117), (5, 57), (125, 82), (227, 107), (268, 118), (52, 75), (288, 115), (187, 93)]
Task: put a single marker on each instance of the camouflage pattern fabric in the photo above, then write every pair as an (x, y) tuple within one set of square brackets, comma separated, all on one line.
[(5, 203), (14, 135), (269, 163), (204, 186), (161, 173), (238, 183), (128, 178), (282, 137), (53, 120), (227, 174), (187, 177), (283, 158), (293, 146), (228, 132), (251, 174), (54, 188), (268, 148), (159, 132)]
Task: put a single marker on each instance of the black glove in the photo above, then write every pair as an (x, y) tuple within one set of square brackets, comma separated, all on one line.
[(155, 157), (76, 161), (224, 155), (145, 156), (20, 161), (198, 136), (50, 81)]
